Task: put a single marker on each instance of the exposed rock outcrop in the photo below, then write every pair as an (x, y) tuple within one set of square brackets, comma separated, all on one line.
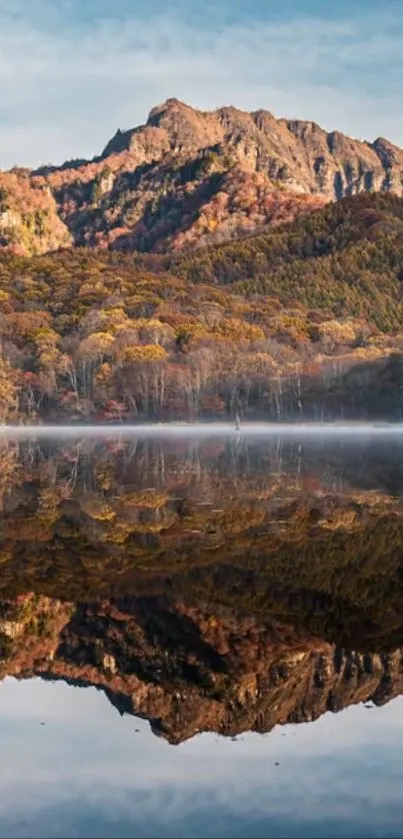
[(190, 177)]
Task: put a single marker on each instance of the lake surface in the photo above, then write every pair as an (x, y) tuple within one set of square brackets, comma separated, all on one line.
[(201, 632)]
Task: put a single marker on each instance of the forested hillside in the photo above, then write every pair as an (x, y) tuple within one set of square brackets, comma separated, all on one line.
[(347, 257), (304, 322)]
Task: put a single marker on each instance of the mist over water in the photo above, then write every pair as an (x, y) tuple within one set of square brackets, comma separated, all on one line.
[(204, 429)]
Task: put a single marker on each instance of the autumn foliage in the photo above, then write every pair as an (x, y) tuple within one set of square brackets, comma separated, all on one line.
[(305, 322)]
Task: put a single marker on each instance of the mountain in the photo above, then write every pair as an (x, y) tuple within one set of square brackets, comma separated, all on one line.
[(191, 177)]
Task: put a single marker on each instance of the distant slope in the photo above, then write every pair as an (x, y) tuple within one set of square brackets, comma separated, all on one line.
[(347, 257), (190, 177)]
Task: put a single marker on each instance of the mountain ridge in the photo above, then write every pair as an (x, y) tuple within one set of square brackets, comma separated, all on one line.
[(188, 177), (221, 124)]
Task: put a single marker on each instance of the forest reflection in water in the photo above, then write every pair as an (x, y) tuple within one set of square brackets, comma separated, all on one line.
[(223, 583)]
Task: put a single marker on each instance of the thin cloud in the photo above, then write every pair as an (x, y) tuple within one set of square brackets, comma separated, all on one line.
[(66, 90)]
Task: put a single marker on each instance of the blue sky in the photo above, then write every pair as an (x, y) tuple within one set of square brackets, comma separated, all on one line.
[(72, 72)]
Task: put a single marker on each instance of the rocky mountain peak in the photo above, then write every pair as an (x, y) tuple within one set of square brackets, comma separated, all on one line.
[(303, 129), (297, 153), (387, 152), (167, 108), (189, 176), (186, 128)]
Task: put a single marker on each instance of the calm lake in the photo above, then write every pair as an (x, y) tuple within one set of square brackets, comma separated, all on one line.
[(201, 632)]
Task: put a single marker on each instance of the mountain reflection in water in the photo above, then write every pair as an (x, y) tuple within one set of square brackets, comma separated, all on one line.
[(216, 584)]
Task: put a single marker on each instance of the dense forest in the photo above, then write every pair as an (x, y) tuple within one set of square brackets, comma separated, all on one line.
[(301, 322)]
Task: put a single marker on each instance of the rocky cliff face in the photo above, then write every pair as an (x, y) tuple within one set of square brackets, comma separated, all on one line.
[(191, 177), (187, 670), (29, 216), (298, 154)]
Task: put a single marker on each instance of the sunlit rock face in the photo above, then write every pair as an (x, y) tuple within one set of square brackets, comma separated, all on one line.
[(190, 177)]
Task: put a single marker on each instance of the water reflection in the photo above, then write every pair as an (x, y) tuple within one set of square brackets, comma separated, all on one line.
[(231, 584), (221, 584)]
